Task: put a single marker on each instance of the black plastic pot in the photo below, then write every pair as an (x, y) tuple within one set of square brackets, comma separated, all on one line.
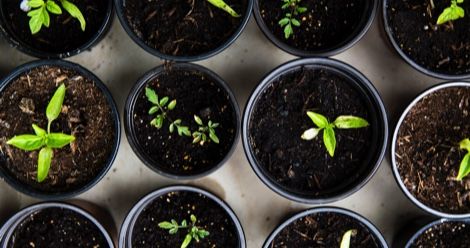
[(130, 129), (125, 234), (13, 182), (366, 22), (379, 237), (19, 44), (379, 123)]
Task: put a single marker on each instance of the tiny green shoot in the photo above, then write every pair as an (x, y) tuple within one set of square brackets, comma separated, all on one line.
[(194, 232), (346, 240), (329, 139), (223, 6), (290, 20), (464, 169), (451, 13), (205, 131), (45, 140)]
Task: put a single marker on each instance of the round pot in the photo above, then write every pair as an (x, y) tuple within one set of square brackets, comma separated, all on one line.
[(18, 219), (394, 151), (362, 88), (361, 221), (362, 28), (121, 13), (398, 46), (36, 192), (133, 131), (127, 228), (54, 52)]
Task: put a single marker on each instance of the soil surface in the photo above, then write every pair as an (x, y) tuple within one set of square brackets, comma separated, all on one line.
[(440, 48), (85, 114), (180, 206), (64, 33), (183, 27), (324, 230), (325, 24), (57, 227), (279, 118), (427, 150), (450, 234), (196, 94)]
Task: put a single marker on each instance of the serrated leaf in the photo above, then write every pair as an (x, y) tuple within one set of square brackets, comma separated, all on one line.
[(310, 133), (288, 31), (151, 95), (349, 121), (75, 12), (198, 120), (44, 163), (36, 21), (55, 105), (295, 22), (159, 121), (35, 3), (27, 142), (451, 13), (222, 5), (39, 131), (464, 169), (186, 241), (53, 7), (318, 119), (164, 101), (165, 225), (58, 140), (329, 140), (172, 105), (183, 130)]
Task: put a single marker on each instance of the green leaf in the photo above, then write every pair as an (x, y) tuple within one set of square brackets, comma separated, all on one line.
[(288, 31), (159, 121), (301, 10), (187, 240), (172, 127), (36, 21), (44, 163), (55, 105), (184, 223), (193, 218), (213, 137), (284, 21), (215, 125), (35, 3), (46, 17), (349, 121), (183, 130), (173, 230), (27, 142), (310, 133), (74, 12), (172, 105), (318, 119), (222, 5), (53, 7), (196, 138), (464, 169), (58, 140), (295, 22), (451, 13), (198, 120), (151, 95), (330, 140), (165, 225), (203, 233), (346, 240), (39, 131), (163, 101), (153, 110), (465, 144)]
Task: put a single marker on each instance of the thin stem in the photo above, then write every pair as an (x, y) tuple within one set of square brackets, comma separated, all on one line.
[(49, 127)]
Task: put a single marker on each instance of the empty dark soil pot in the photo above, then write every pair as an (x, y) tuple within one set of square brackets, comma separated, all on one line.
[(182, 30), (54, 224), (324, 227), (275, 118), (425, 150), (440, 51), (88, 112), (327, 28), (140, 228), (64, 37), (196, 91)]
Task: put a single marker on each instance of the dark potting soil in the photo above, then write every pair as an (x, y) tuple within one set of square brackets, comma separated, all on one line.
[(64, 33), (324, 230), (180, 205), (444, 48), (451, 234), (427, 150), (57, 227), (279, 118), (85, 114), (326, 24), (196, 94), (183, 27)]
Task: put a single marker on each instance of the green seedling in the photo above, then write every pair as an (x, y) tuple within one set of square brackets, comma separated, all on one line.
[(451, 13), (346, 240), (329, 139), (45, 140), (225, 7), (38, 11), (290, 20), (205, 131), (194, 232), (464, 169)]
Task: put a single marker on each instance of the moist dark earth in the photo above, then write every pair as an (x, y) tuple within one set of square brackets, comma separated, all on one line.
[(179, 205), (427, 150), (183, 27), (279, 118), (59, 228), (451, 234), (440, 48), (85, 114)]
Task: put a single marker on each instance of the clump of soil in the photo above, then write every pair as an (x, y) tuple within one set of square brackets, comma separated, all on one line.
[(179, 205), (450, 234), (85, 114), (427, 150), (440, 48), (57, 227)]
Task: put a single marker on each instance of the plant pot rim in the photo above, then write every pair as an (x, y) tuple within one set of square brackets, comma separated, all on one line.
[(429, 225), (129, 126), (407, 59), (125, 234), (352, 40), (13, 182), (337, 66), (10, 226), (396, 173), (104, 28), (359, 218), (120, 4)]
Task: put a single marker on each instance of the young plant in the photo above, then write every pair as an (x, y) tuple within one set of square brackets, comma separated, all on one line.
[(464, 169), (329, 139), (346, 240), (205, 131), (451, 13), (46, 141), (194, 232), (290, 20), (222, 5)]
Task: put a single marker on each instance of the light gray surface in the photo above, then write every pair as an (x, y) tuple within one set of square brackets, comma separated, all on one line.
[(119, 63)]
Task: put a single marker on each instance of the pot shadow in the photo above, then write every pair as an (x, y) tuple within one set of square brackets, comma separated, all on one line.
[(10, 202)]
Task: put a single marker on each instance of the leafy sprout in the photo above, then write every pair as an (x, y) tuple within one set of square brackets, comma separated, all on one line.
[(194, 232), (225, 7), (45, 140), (451, 13), (290, 20), (205, 131), (346, 240), (464, 169), (329, 139)]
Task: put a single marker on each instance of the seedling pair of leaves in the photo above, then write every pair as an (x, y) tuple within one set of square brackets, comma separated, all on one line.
[(329, 139), (45, 140), (194, 232), (290, 21), (451, 13)]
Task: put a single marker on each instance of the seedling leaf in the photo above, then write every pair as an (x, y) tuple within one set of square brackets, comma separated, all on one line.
[(151, 95), (349, 121), (346, 240), (165, 225), (44, 163), (187, 240), (310, 133), (27, 142), (330, 140), (451, 13), (318, 119), (55, 105), (58, 140), (222, 5), (75, 12)]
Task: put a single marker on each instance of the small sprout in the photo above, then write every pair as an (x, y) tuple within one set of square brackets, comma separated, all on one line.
[(222, 5), (201, 136), (464, 169), (346, 240), (290, 20), (451, 13), (329, 139), (194, 232)]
